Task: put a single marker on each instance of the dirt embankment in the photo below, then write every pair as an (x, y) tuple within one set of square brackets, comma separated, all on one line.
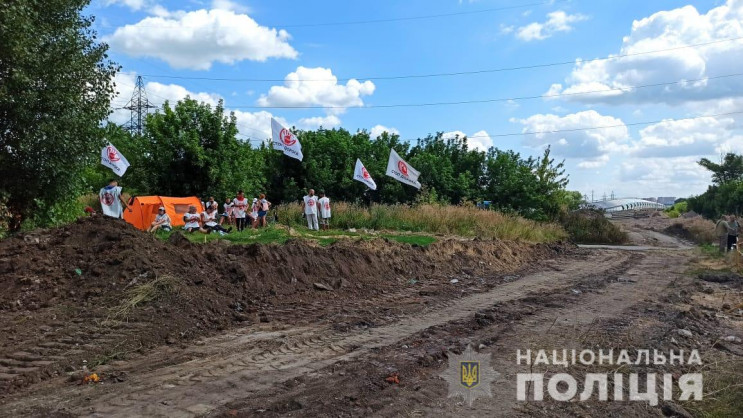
[(100, 290)]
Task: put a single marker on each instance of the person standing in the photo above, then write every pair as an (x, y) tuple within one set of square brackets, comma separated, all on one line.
[(309, 206), (239, 206), (324, 204), (721, 229), (112, 203), (263, 207), (733, 233), (227, 214)]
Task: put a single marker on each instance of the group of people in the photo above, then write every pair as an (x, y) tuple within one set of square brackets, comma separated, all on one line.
[(727, 229), (240, 212), (314, 209), (243, 212)]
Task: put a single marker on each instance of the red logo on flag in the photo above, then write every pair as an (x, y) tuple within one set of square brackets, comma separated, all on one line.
[(107, 199), (287, 138), (403, 168), (365, 173), (113, 156)]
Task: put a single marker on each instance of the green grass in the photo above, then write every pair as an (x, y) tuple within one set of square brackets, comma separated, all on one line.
[(711, 251), (278, 234), (270, 235)]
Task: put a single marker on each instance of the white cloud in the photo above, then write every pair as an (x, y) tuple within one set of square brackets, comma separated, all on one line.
[(197, 39), (379, 129), (591, 147), (678, 176), (157, 94), (132, 4), (230, 5), (668, 30), (701, 137), (317, 87), (330, 121), (480, 140), (256, 125), (557, 21)]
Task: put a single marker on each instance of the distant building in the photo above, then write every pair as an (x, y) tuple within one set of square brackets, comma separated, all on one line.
[(668, 201), (650, 199)]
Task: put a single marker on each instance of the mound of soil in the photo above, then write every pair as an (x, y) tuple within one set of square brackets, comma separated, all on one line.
[(62, 287)]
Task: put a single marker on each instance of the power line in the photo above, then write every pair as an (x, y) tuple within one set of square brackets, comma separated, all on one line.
[(509, 134), (451, 74), (502, 99), (597, 127)]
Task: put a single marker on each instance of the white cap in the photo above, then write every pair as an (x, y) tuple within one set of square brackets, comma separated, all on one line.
[(255, 199), (161, 208)]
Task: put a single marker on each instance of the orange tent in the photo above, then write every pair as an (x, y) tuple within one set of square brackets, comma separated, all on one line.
[(144, 209)]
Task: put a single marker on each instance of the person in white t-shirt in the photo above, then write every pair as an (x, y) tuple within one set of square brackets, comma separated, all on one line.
[(112, 202), (209, 220), (227, 213), (192, 221), (309, 206), (324, 204), (254, 208), (162, 221), (240, 205)]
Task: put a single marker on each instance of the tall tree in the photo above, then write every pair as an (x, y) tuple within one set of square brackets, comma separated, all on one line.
[(729, 169), (192, 149), (55, 88)]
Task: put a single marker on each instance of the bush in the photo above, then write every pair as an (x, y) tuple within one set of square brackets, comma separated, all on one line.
[(697, 230), (466, 221), (590, 226)]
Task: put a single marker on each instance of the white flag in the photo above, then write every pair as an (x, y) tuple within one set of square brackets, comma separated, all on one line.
[(284, 140), (111, 158), (360, 174), (401, 171)]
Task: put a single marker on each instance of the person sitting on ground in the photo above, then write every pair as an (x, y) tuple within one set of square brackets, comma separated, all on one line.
[(324, 204), (162, 221), (721, 229), (734, 226), (192, 221), (227, 213), (209, 220), (263, 207)]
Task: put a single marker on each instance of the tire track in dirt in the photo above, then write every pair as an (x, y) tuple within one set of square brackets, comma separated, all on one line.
[(238, 364)]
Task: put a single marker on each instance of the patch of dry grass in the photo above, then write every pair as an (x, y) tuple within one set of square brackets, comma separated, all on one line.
[(142, 294), (466, 221)]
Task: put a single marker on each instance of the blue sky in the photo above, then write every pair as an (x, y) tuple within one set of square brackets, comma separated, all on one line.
[(283, 40)]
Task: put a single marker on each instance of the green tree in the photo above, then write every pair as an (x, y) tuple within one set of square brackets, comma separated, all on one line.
[(729, 169), (55, 89), (192, 149), (725, 195)]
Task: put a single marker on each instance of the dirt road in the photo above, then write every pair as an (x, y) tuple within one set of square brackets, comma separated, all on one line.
[(599, 297)]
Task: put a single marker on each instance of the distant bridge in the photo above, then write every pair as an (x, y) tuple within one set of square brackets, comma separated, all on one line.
[(622, 205)]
